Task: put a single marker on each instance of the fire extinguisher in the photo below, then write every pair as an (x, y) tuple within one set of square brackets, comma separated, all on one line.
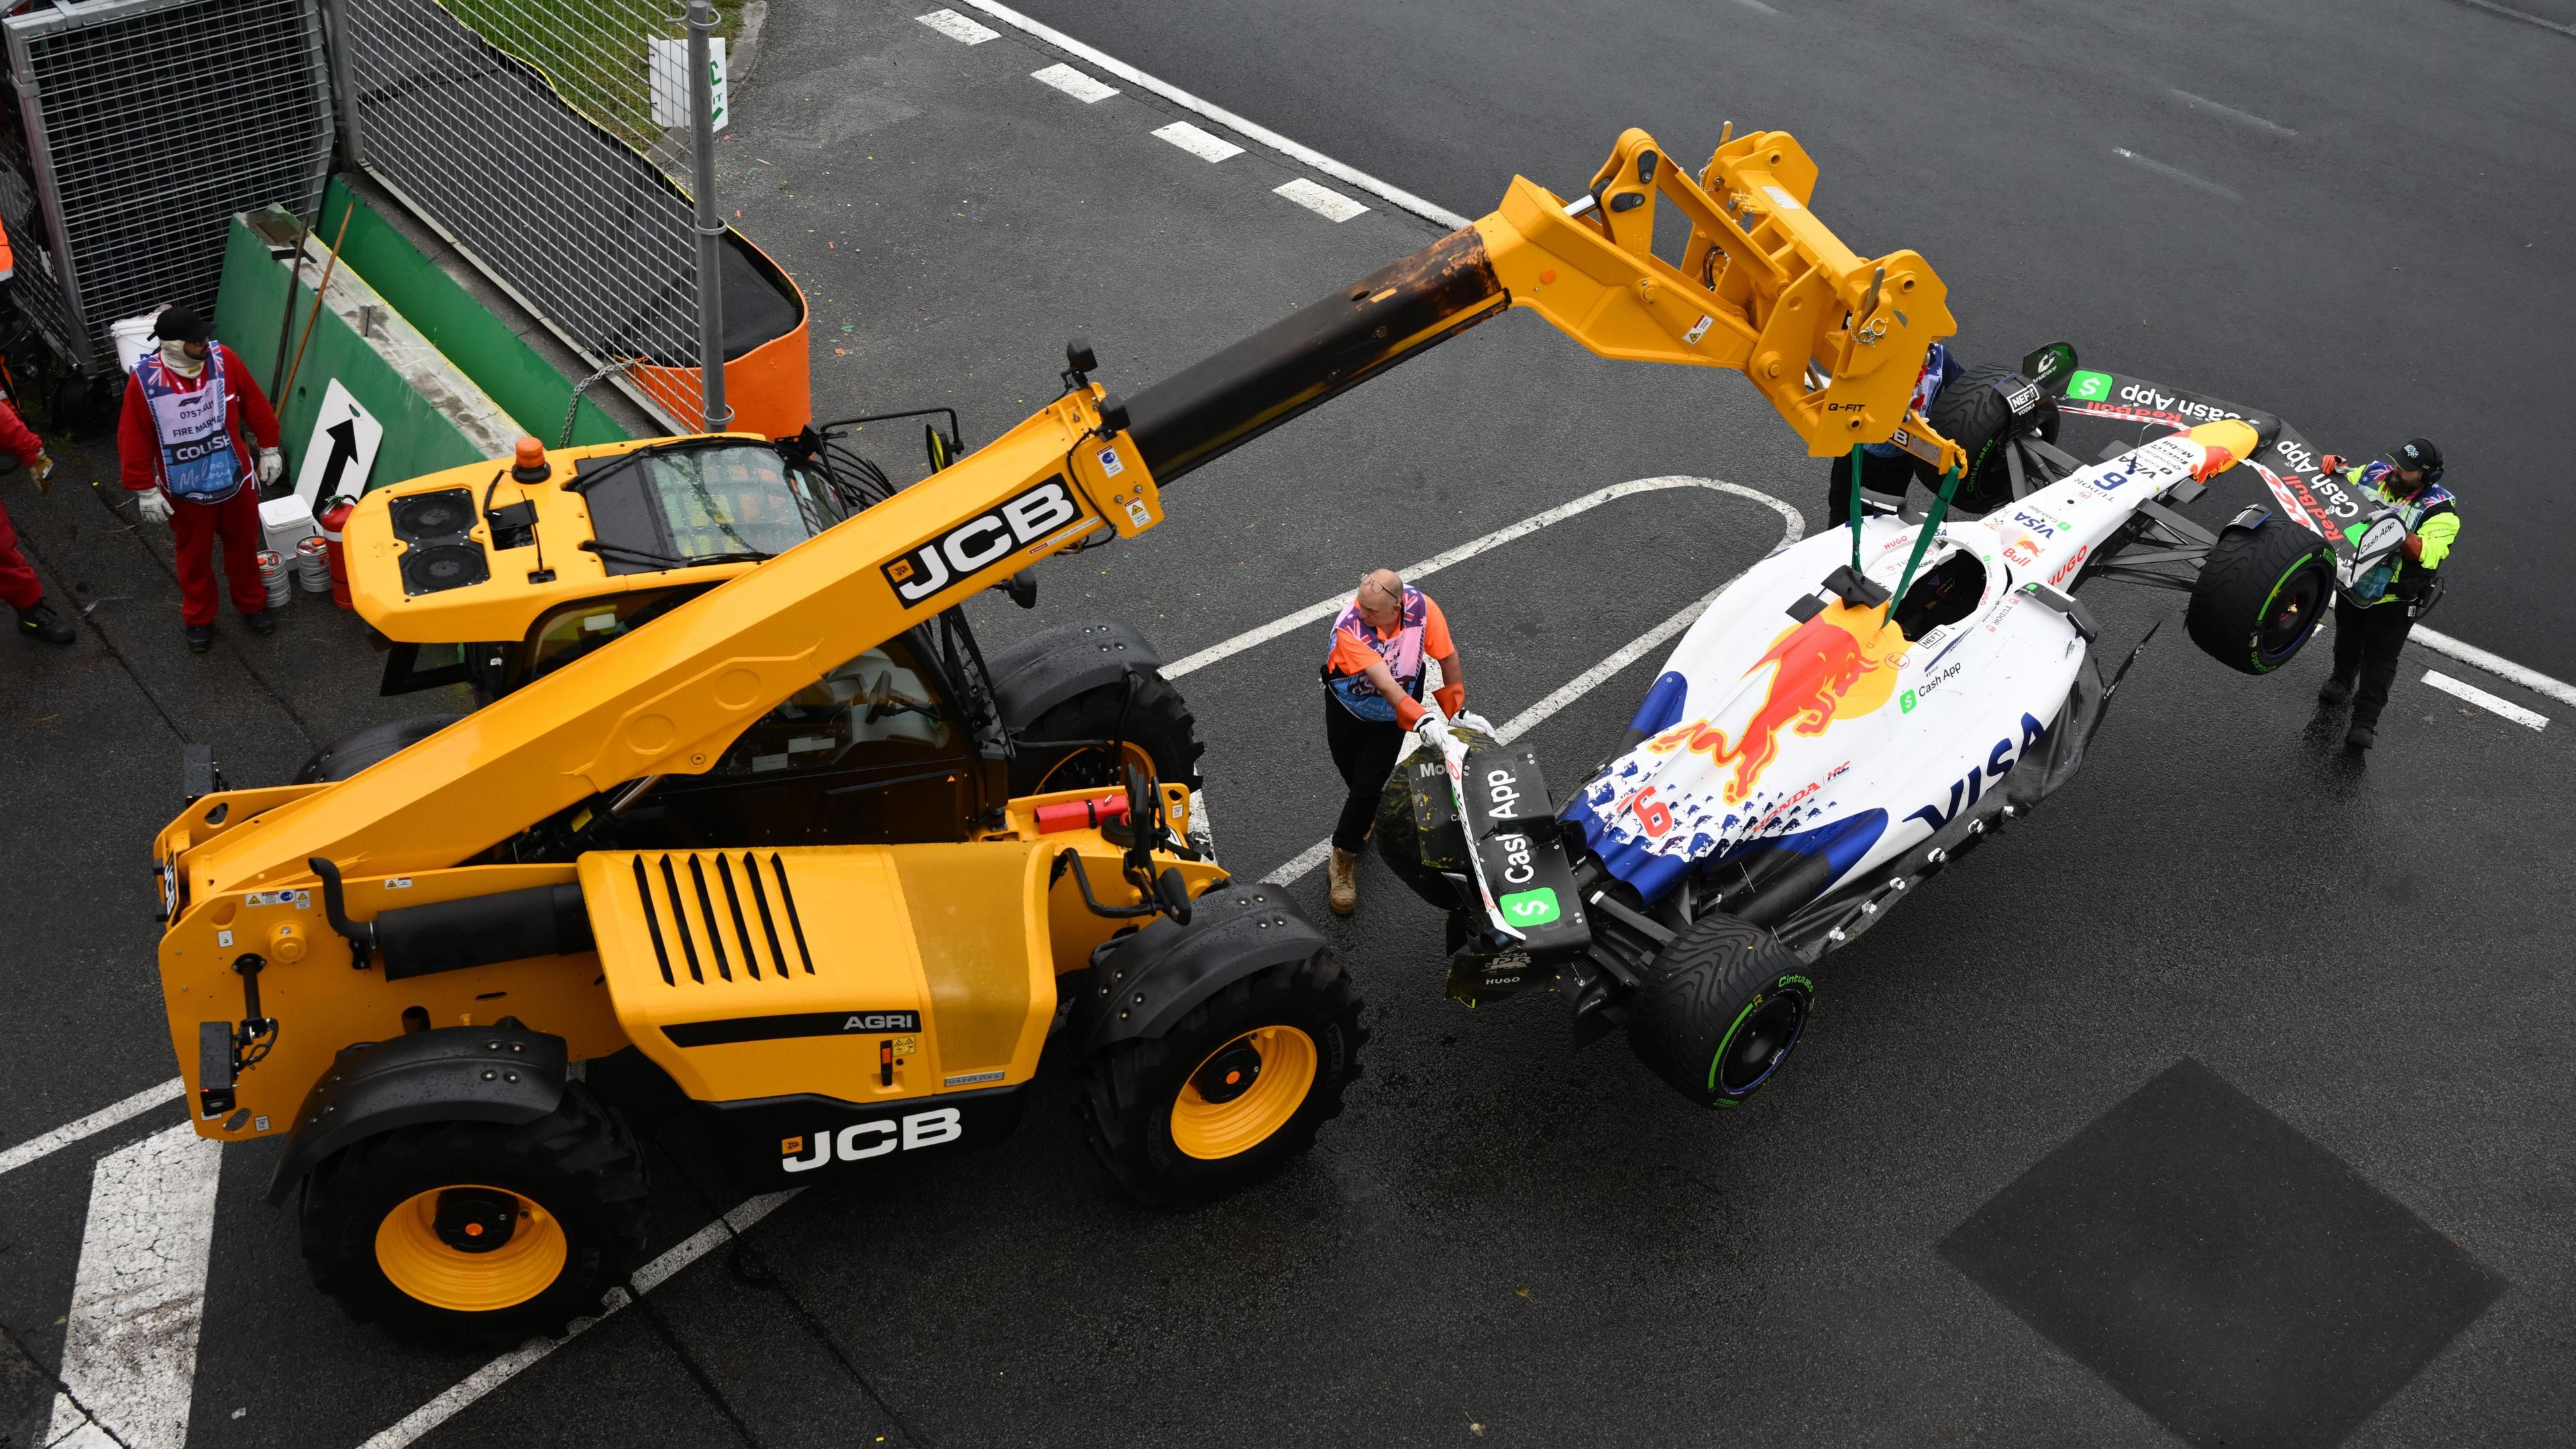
[(333, 519)]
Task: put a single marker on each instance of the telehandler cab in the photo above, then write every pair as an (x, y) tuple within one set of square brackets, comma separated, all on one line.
[(745, 799)]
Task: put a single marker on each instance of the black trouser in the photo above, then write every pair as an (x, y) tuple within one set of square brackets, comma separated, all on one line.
[(1889, 477), (2366, 644), (1364, 751)]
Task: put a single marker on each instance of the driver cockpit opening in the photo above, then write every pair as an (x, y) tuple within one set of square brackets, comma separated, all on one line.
[(1945, 593)]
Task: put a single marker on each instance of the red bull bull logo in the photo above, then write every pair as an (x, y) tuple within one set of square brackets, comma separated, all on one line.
[(1839, 664)]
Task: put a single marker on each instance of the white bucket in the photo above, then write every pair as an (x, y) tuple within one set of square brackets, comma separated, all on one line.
[(133, 336), (284, 523)]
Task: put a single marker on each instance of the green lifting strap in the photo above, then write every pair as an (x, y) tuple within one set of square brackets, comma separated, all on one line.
[(1855, 507), (1923, 540)]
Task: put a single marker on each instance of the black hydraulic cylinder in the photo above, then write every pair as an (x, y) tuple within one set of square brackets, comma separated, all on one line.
[(483, 930), (1200, 413)]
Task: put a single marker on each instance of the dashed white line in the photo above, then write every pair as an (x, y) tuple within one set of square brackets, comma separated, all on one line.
[(2528, 718), (2233, 114), (1199, 143), (958, 28), (510, 1365), (96, 1122), (1321, 200), (2175, 173), (1304, 155), (2495, 664), (1074, 83), (139, 1296)]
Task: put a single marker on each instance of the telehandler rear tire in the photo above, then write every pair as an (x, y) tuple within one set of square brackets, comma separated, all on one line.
[(394, 1226), (1162, 736), (1232, 1092)]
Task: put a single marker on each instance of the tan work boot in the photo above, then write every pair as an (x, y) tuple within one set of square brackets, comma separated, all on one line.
[(1345, 875)]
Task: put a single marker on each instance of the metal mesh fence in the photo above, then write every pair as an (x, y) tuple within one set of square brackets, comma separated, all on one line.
[(519, 129), (147, 124)]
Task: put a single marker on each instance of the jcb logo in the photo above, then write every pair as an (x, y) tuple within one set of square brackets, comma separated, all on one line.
[(860, 1141), (981, 541)]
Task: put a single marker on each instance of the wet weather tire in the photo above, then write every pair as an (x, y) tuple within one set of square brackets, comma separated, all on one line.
[(1972, 413), (1401, 846), (1237, 1088), (2260, 595), (1722, 1006), (1159, 727), (395, 1227)]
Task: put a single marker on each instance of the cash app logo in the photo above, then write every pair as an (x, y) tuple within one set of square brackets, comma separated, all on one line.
[(2088, 386), (1531, 908), (1905, 704)]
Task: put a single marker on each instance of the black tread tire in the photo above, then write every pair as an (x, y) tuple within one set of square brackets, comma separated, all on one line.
[(1970, 413), (1699, 990), (2249, 575), (1125, 1092), (358, 749), (1160, 723), (578, 1160), (1395, 838)]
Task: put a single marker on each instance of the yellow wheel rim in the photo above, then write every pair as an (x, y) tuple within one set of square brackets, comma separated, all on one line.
[(1136, 756), (420, 1261), (1246, 1090)]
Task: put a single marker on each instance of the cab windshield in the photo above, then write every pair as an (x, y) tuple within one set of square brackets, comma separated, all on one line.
[(659, 509)]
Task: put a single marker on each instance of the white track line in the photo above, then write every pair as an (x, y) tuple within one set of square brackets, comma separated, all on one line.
[(2175, 173), (2495, 664), (1326, 608), (1074, 83), (1203, 144), (2527, 718), (96, 1122), (510, 1365), (1582, 684), (1324, 201), (958, 28), (139, 1297), (2233, 114), (1397, 197)]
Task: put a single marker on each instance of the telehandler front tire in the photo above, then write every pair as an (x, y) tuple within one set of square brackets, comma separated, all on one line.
[(1162, 739), (1233, 1091), (479, 1234)]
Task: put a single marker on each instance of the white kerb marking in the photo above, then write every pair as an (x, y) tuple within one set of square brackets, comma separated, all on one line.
[(139, 1296), (1321, 200), (647, 1278), (2174, 173), (1074, 83), (1298, 152), (1757, 7), (2527, 718), (958, 28), (96, 1122), (1590, 679), (1199, 143)]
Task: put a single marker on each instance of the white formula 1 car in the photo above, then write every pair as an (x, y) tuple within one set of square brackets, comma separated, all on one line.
[(1810, 754)]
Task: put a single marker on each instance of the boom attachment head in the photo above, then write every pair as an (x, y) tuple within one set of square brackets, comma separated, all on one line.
[(1834, 340)]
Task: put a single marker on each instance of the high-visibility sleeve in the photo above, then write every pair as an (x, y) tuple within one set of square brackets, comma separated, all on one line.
[(2438, 532)]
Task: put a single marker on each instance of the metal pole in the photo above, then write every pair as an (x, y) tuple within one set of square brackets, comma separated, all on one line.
[(353, 136), (702, 130)]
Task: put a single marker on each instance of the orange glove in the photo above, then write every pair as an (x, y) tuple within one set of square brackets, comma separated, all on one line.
[(1452, 697)]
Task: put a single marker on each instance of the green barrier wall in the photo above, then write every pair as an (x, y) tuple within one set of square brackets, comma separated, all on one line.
[(418, 437), (526, 386)]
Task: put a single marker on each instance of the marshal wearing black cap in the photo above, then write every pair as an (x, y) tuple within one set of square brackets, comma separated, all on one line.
[(2374, 616)]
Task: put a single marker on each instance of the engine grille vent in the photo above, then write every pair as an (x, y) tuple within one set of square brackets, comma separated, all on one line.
[(718, 912)]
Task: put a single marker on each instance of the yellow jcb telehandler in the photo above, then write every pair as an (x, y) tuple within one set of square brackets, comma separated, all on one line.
[(746, 800)]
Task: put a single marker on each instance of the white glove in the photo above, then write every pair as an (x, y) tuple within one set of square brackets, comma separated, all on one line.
[(271, 463), (153, 504), (1433, 729)]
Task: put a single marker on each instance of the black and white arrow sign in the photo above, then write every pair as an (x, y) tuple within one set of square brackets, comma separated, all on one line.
[(342, 450)]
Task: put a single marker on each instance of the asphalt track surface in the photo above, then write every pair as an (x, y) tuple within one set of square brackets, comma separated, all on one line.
[(2311, 1012)]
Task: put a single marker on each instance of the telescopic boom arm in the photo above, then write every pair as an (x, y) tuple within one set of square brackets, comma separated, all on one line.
[(1764, 288)]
